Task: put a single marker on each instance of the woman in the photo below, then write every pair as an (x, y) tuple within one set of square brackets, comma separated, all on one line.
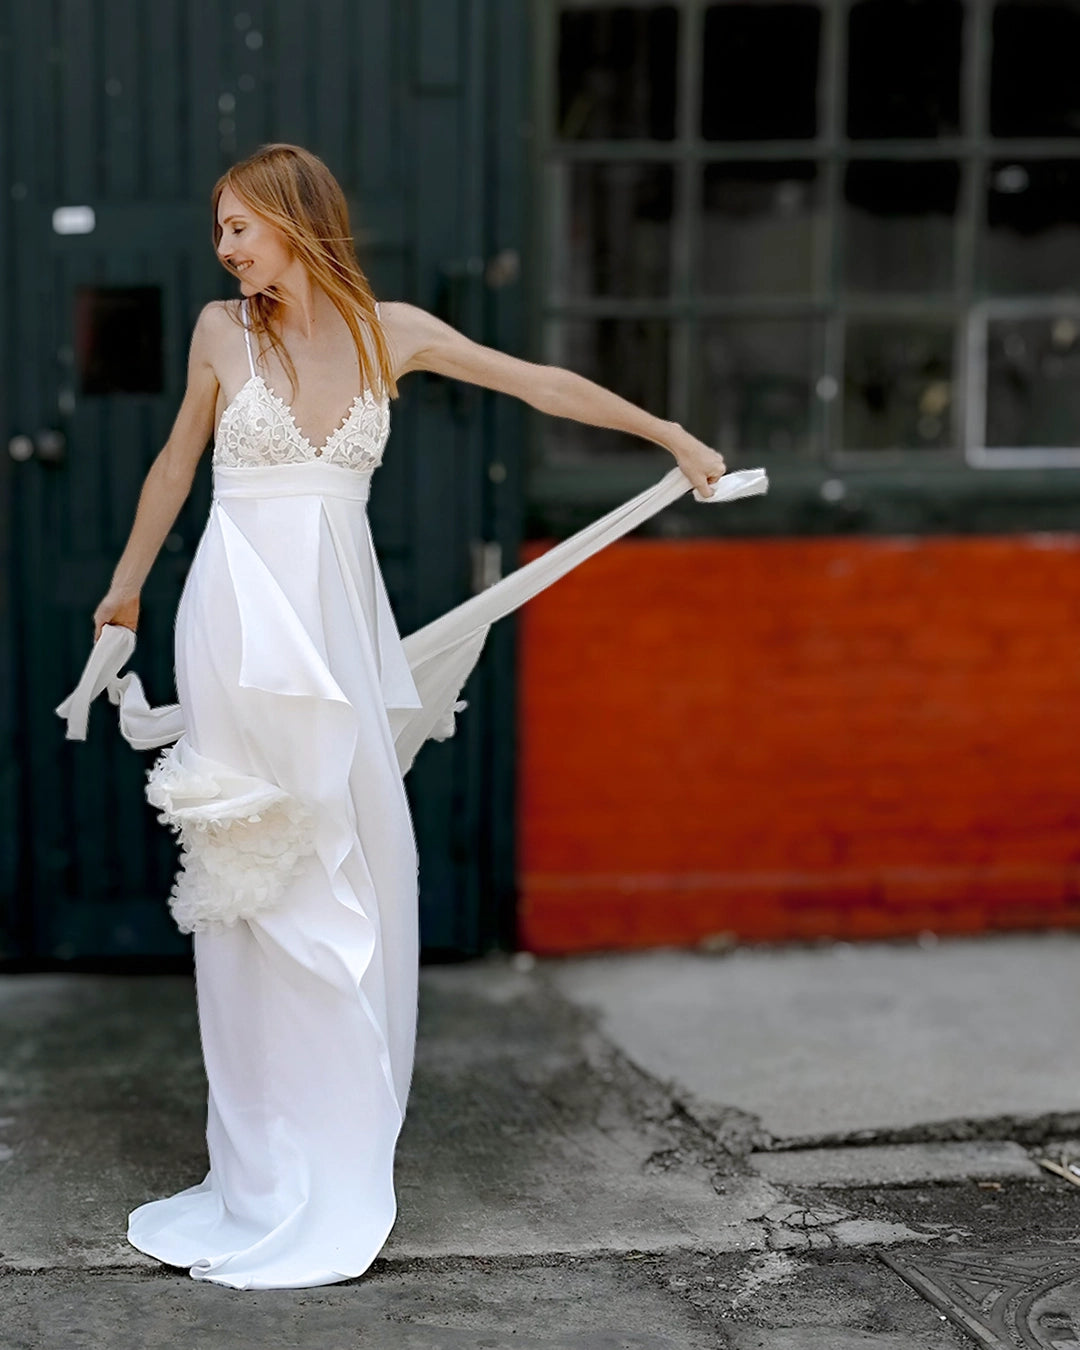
[(299, 866)]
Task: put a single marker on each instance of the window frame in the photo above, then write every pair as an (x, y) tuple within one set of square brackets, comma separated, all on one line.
[(967, 307)]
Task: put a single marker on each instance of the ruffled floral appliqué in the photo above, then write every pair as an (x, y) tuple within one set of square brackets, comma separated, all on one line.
[(258, 428), (241, 838)]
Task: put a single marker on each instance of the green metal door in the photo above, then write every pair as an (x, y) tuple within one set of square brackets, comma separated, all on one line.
[(118, 118)]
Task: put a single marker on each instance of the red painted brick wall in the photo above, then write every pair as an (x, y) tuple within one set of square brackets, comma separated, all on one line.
[(793, 738)]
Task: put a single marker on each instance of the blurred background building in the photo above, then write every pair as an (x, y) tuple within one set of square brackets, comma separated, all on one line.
[(835, 237)]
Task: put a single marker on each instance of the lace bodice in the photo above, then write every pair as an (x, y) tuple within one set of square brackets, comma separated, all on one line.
[(258, 428)]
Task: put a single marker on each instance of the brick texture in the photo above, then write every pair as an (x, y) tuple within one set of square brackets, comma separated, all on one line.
[(796, 738)]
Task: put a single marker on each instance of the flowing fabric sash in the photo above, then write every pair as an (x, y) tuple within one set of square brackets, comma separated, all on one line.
[(441, 655)]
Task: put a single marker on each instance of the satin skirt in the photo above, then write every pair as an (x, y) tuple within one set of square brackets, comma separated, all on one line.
[(288, 662), (300, 710)]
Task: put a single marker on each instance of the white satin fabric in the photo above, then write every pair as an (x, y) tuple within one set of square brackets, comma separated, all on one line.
[(287, 659), (299, 711)]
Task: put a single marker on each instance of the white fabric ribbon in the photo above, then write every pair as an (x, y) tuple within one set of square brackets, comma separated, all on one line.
[(441, 655), (142, 727)]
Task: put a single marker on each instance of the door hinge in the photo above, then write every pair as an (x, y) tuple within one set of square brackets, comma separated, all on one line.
[(486, 556)]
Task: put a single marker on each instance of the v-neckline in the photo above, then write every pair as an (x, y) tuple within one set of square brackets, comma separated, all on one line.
[(286, 409), (287, 412)]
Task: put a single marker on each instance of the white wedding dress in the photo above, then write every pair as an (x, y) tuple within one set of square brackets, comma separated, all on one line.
[(299, 710)]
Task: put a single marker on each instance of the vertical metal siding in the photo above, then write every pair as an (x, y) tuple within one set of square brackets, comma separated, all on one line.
[(116, 104), (10, 797)]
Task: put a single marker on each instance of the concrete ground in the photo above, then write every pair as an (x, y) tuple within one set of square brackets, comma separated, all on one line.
[(666, 1151)]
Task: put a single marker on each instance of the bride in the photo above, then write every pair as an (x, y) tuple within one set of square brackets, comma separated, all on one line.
[(299, 870)]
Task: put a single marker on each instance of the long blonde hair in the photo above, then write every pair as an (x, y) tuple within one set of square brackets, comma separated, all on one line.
[(295, 191)]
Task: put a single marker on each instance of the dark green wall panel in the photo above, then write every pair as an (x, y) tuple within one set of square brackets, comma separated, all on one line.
[(135, 109)]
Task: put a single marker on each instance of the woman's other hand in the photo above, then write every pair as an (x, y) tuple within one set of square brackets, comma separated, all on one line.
[(701, 464), (119, 607)]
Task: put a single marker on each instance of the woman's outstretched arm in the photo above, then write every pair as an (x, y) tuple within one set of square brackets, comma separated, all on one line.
[(168, 481), (422, 342)]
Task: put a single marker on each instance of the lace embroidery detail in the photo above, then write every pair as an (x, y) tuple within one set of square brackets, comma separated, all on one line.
[(258, 428)]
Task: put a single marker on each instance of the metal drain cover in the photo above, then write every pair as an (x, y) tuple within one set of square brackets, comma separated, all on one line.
[(1026, 1300)]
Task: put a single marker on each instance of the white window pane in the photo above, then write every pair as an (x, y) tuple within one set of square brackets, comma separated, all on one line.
[(1033, 382)]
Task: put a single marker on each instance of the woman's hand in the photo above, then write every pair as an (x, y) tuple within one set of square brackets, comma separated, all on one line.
[(701, 464), (119, 607)]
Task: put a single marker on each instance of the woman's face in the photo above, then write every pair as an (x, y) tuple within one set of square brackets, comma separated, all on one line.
[(249, 245)]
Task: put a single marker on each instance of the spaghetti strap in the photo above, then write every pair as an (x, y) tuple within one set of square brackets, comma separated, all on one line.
[(247, 333)]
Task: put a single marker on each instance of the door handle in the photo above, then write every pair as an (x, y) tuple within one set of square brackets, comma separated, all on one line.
[(48, 444), (51, 445)]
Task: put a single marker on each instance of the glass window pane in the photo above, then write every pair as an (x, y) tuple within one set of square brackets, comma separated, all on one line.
[(1034, 90), (1033, 226), (629, 356), (757, 387), (617, 72), (759, 72), (118, 339), (760, 228), (612, 229), (898, 385), (904, 59), (1033, 382), (898, 226)]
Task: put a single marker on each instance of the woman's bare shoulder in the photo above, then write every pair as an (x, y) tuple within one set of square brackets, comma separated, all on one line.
[(409, 329), (400, 314), (219, 316), (214, 337)]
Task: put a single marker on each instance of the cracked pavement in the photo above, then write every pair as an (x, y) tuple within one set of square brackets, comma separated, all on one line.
[(640, 1152)]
